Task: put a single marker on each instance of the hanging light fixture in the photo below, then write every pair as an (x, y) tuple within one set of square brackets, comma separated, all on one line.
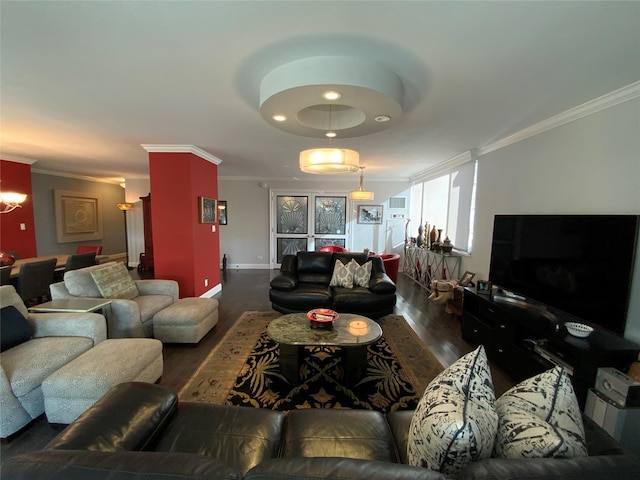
[(12, 200), (329, 160), (361, 194)]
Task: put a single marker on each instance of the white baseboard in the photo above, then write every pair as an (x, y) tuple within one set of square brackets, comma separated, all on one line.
[(247, 266), (212, 292)]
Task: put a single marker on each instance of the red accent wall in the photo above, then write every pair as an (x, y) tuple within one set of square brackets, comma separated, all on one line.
[(184, 249), (16, 177)]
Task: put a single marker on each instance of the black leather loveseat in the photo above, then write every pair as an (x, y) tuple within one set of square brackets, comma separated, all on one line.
[(139, 431), (303, 284)]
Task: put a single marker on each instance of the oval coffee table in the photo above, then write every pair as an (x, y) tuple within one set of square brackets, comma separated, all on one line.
[(351, 333)]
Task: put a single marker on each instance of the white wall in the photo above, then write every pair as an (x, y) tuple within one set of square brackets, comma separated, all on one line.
[(591, 165), (136, 188)]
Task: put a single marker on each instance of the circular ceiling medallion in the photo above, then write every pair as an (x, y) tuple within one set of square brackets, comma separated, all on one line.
[(364, 92)]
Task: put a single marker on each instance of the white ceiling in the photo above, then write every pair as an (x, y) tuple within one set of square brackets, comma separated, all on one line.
[(83, 84)]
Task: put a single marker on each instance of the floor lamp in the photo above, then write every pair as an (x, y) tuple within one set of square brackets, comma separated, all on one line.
[(125, 207)]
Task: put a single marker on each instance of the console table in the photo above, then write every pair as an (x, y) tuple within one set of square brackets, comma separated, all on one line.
[(525, 337), (424, 266)]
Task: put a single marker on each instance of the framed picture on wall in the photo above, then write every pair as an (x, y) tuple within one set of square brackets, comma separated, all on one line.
[(371, 214), (222, 212), (78, 216), (208, 210)]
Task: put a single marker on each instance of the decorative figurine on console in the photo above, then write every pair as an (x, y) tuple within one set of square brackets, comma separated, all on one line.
[(442, 290)]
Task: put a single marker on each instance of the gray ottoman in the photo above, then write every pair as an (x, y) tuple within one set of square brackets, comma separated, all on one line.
[(75, 387), (186, 321)]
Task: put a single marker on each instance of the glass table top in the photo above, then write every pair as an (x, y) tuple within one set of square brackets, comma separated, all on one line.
[(348, 330)]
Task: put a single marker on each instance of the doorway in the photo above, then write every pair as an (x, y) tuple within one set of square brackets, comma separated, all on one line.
[(306, 222)]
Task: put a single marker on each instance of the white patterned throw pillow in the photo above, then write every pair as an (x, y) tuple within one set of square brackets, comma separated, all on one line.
[(455, 421), (342, 275), (361, 273), (540, 417)]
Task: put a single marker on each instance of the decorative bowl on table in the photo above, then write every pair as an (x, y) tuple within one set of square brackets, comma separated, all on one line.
[(322, 317), (578, 329)]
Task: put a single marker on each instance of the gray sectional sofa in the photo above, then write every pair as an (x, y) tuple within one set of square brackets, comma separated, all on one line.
[(50, 341), (126, 318)]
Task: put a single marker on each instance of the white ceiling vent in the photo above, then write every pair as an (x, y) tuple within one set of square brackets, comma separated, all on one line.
[(397, 202)]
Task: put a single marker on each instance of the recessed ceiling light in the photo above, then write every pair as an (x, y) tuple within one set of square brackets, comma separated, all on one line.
[(279, 118), (330, 134), (331, 95), (382, 118)]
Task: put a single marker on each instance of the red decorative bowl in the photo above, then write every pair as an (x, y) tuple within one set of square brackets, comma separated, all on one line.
[(322, 317)]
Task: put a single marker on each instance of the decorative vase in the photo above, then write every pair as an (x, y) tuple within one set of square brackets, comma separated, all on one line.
[(432, 235), (426, 234), (420, 238)]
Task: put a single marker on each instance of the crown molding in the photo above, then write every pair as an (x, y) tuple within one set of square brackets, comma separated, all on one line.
[(182, 149), (596, 105), (608, 100), (446, 166), (113, 181), (17, 159)]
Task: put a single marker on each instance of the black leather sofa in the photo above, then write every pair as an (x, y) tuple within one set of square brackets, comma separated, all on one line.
[(303, 284), (139, 431)]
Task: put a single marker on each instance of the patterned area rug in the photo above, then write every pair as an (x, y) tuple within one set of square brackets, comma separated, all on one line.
[(243, 370)]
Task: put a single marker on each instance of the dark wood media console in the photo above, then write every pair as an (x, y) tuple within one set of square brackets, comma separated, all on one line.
[(525, 337)]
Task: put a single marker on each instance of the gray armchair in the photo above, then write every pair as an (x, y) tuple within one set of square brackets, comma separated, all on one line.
[(55, 339), (127, 317)]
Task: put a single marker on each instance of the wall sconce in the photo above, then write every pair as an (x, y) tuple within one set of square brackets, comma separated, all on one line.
[(12, 200)]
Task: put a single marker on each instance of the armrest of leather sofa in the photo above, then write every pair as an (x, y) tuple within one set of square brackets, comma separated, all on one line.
[(380, 282), (128, 417), (287, 279), (83, 465), (332, 468)]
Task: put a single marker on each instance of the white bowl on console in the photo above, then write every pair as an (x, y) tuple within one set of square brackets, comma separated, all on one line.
[(578, 329)]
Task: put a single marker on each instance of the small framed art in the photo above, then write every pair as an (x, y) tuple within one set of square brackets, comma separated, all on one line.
[(208, 210), (484, 287), (465, 281), (371, 214)]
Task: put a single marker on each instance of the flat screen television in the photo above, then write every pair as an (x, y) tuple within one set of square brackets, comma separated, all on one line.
[(580, 264)]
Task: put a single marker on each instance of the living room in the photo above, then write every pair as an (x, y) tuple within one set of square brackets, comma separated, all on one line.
[(580, 157)]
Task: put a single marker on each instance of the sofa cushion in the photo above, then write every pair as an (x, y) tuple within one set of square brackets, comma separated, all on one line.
[(149, 305), (29, 363), (14, 328), (332, 468), (540, 417), (326, 432), (80, 282), (361, 273), (240, 437), (342, 275), (314, 267), (114, 281), (83, 464), (455, 421)]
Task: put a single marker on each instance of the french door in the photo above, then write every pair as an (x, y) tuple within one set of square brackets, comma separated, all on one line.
[(306, 222)]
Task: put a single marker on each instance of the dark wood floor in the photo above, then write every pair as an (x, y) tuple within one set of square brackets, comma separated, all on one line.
[(244, 290)]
